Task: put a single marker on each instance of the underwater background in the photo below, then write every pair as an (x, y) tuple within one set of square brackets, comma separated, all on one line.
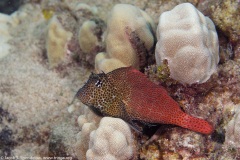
[(48, 49)]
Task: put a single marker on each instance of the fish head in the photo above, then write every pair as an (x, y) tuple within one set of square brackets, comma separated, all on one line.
[(95, 91)]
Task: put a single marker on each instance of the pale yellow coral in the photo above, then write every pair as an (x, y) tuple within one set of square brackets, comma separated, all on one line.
[(105, 64), (129, 37), (57, 41), (87, 39)]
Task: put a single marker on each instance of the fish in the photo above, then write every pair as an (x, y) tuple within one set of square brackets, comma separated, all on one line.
[(128, 94)]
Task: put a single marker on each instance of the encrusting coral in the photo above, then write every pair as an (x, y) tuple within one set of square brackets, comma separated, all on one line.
[(225, 15), (129, 38), (189, 42), (112, 140), (175, 144), (233, 130)]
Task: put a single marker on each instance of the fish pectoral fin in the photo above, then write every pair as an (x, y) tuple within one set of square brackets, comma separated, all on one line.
[(136, 126), (96, 110), (127, 117), (144, 123)]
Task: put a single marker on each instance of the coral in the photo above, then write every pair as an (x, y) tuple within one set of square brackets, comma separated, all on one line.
[(60, 42), (4, 47), (5, 21), (150, 152), (47, 13), (107, 64), (90, 39), (159, 74), (225, 14), (237, 52), (4, 24), (24, 15), (87, 117), (52, 5), (87, 122), (188, 41), (215, 101), (27, 128), (129, 37), (30, 91), (81, 10), (112, 140), (87, 39), (57, 42), (233, 130), (175, 143), (157, 7)]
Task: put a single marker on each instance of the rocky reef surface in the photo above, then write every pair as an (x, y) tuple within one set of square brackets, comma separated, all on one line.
[(47, 52)]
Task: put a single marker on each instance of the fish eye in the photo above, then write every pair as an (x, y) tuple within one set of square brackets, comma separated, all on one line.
[(98, 83)]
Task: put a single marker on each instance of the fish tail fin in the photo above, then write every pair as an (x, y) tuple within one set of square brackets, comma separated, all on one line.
[(195, 124)]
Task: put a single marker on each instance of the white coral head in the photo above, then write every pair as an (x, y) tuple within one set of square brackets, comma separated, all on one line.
[(112, 140), (189, 42)]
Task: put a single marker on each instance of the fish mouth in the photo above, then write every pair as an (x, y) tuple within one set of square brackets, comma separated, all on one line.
[(80, 94), (77, 95)]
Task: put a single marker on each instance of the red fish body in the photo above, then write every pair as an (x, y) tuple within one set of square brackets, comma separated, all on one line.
[(128, 94)]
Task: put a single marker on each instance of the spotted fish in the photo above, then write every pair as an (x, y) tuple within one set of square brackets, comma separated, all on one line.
[(126, 93)]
